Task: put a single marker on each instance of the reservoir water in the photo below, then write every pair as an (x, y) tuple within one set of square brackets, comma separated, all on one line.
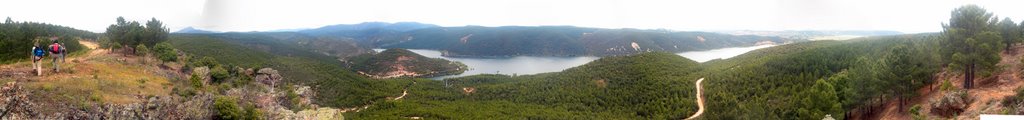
[(523, 65), (520, 65), (722, 53)]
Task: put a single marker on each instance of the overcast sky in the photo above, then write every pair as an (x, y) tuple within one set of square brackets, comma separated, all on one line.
[(911, 16)]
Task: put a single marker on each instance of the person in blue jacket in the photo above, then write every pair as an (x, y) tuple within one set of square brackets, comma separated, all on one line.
[(37, 57)]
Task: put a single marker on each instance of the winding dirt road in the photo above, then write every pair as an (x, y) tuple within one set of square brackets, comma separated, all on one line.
[(700, 101), (404, 92)]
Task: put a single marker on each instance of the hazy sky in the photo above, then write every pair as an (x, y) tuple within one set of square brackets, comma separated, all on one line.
[(688, 15)]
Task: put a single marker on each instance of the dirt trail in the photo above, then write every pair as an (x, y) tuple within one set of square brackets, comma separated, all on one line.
[(404, 92), (93, 47), (985, 97), (700, 101)]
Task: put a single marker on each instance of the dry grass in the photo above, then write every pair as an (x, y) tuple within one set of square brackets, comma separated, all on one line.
[(112, 82), (97, 77)]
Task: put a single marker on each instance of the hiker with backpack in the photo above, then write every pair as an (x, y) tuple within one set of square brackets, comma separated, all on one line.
[(57, 52), (37, 58)]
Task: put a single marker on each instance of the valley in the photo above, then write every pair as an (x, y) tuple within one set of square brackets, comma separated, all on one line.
[(770, 61)]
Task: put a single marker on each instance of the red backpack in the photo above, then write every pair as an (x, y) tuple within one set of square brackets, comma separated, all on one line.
[(55, 48)]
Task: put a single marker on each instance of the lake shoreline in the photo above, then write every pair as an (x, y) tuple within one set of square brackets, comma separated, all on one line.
[(529, 65)]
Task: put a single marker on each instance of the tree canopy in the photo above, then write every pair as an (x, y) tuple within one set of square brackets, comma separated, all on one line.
[(972, 42), (132, 33)]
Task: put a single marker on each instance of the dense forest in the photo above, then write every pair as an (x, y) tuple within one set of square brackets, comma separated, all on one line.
[(393, 62), (813, 79), (17, 38)]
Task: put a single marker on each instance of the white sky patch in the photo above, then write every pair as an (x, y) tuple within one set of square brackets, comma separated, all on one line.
[(910, 16)]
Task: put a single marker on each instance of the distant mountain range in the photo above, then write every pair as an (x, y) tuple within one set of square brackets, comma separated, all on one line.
[(194, 30), (398, 26)]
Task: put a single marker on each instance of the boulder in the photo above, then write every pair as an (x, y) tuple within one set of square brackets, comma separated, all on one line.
[(249, 72), (268, 76), (950, 104), (203, 72)]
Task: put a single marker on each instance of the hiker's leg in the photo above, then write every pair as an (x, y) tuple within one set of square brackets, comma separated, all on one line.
[(37, 67), (56, 65)]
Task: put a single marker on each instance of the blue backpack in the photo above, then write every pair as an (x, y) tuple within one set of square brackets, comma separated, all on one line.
[(38, 51)]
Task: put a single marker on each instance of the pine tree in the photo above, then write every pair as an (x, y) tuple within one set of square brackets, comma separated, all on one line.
[(971, 42), (1010, 32), (820, 101), (155, 32)]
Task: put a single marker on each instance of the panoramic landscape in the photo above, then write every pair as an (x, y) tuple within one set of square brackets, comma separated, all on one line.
[(530, 59)]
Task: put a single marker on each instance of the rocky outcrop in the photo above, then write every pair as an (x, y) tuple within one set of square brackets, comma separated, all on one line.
[(203, 72), (17, 105), (305, 96), (950, 104), (14, 102), (268, 76)]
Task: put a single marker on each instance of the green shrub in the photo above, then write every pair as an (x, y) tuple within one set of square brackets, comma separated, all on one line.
[(196, 80), (1011, 103), (915, 112), (204, 61), (947, 86), (165, 52), (241, 80), (219, 74), (184, 92), (141, 50), (227, 108), (251, 113)]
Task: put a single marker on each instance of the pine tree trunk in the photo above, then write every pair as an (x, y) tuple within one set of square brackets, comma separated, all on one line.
[(974, 73), (967, 76), (970, 78), (901, 102), (1007, 48)]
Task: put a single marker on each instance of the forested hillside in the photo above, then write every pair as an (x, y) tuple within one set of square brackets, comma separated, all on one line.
[(814, 79), (400, 62), (334, 85)]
